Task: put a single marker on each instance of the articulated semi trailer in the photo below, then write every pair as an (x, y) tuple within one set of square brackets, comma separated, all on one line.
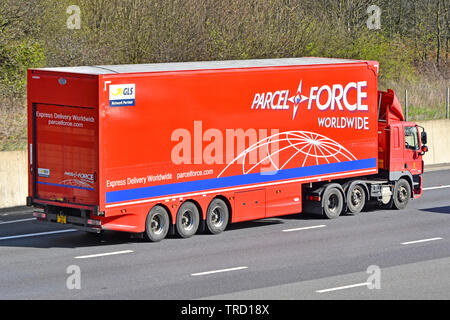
[(182, 147)]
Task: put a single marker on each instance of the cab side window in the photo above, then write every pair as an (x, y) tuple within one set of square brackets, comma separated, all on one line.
[(411, 138)]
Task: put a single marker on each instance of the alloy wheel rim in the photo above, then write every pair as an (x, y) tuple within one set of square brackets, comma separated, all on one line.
[(356, 197), (157, 224), (217, 216), (187, 220)]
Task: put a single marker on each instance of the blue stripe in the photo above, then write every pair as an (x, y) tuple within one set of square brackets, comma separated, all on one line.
[(224, 182), (64, 185)]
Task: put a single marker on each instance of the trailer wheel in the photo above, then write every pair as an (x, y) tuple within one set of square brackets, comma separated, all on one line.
[(217, 216), (356, 198), (402, 193), (157, 224), (188, 218), (332, 203)]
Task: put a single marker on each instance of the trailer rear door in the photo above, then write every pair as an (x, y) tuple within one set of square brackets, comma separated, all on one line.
[(65, 153)]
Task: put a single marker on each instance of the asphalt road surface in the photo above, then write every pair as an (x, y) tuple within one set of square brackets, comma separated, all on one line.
[(378, 254)]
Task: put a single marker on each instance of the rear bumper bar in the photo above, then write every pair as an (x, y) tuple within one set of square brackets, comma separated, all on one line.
[(82, 224)]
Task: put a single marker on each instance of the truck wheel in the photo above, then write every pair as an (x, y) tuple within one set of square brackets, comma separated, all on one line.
[(356, 198), (157, 224), (188, 218), (217, 216), (333, 202), (402, 194)]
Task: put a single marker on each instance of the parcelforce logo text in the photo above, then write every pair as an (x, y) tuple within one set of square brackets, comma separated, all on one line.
[(325, 97)]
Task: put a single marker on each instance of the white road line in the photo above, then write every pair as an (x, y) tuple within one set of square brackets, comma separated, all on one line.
[(104, 254), (14, 221), (343, 287), (437, 187), (304, 228), (218, 271), (423, 240), (37, 234)]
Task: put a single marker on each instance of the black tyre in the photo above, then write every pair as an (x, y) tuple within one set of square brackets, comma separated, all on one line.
[(217, 216), (402, 194), (388, 205), (356, 198), (157, 224), (188, 218), (332, 202)]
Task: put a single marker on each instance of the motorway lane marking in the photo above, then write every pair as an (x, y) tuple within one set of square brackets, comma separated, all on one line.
[(37, 234), (304, 228), (437, 187), (423, 240), (14, 221), (343, 287), (104, 254), (218, 271)]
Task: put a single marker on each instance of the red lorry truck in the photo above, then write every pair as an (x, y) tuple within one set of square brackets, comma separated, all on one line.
[(178, 147)]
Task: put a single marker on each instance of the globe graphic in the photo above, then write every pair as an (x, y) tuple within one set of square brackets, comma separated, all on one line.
[(290, 149)]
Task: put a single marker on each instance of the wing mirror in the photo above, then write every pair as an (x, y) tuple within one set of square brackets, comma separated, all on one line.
[(423, 150), (423, 137)]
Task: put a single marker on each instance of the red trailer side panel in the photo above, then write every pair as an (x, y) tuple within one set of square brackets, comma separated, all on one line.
[(252, 132), (187, 133)]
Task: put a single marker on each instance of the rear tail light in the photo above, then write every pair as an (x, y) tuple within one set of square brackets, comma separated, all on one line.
[(93, 222), (40, 215), (314, 198)]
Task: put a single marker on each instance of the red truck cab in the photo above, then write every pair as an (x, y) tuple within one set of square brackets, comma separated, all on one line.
[(401, 147)]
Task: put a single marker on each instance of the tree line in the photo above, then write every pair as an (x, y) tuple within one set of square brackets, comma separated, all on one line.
[(409, 38)]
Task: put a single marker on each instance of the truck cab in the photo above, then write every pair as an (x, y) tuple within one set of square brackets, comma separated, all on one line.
[(401, 144)]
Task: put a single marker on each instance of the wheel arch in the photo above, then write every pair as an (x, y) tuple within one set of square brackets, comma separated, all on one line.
[(195, 202), (346, 186), (166, 208), (227, 202), (329, 186), (397, 175)]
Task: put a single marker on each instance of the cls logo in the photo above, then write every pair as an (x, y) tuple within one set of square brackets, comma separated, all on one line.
[(122, 95), (127, 91)]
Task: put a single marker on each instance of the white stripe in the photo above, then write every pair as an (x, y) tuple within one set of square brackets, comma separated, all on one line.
[(218, 271), (119, 226), (304, 228), (237, 188), (14, 221), (343, 287), (37, 234), (104, 254), (423, 240), (437, 187)]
